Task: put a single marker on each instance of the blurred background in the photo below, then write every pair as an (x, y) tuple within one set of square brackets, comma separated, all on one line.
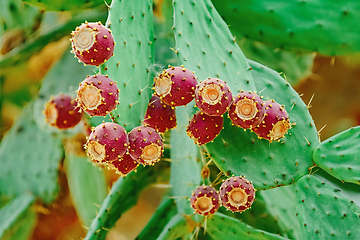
[(33, 40)]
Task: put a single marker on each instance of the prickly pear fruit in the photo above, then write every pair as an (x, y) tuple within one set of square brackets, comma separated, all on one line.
[(159, 115), (107, 142), (205, 200), (237, 194), (247, 110), (124, 165), (61, 111), (92, 43), (176, 86), (275, 123), (203, 128), (146, 145), (213, 97), (98, 95)]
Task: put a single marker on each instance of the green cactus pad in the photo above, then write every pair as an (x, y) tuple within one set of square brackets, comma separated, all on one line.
[(17, 219), (324, 212), (205, 45), (185, 171), (339, 155), (280, 203), (160, 218), (326, 27), (123, 195), (268, 165), (176, 228), (131, 66), (65, 5), (294, 66), (29, 159), (221, 226), (87, 186)]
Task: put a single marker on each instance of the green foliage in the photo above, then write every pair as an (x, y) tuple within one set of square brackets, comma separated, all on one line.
[(268, 165), (132, 22), (65, 5), (177, 227), (339, 155), (206, 46), (320, 26), (29, 159), (87, 185), (221, 226), (317, 200), (17, 218)]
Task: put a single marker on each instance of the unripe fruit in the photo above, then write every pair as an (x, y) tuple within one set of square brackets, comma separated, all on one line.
[(124, 165), (146, 145), (237, 194), (247, 110), (203, 128), (98, 95), (107, 142), (159, 115), (205, 200), (176, 86), (213, 97), (61, 111), (92, 43), (275, 123)]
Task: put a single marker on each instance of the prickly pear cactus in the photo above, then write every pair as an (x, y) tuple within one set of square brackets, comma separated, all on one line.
[(222, 179)]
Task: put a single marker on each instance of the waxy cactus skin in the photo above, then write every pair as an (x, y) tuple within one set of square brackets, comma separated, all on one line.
[(124, 165), (205, 200), (247, 110), (275, 123), (237, 194), (62, 112), (92, 43), (159, 115), (203, 128), (213, 97), (146, 145), (176, 86), (107, 142), (98, 95)]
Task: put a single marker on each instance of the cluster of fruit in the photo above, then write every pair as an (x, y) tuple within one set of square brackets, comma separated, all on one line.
[(236, 194)]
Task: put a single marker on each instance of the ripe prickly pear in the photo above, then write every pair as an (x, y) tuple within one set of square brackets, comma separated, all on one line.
[(98, 95), (205, 200), (203, 128), (275, 123), (92, 43), (146, 145), (61, 111), (159, 115), (107, 142), (213, 97), (124, 165), (237, 194), (247, 110), (176, 86)]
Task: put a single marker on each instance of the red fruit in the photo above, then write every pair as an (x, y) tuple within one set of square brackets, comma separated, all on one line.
[(61, 111), (146, 145), (124, 165), (205, 200), (107, 142), (203, 128), (213, 97), (159, 115), (247, 110), (176, 86), (92, 43), (275, 123), (98, 95), (237, 194)]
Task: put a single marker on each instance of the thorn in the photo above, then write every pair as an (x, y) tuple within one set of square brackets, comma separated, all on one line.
[(308, 105)]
